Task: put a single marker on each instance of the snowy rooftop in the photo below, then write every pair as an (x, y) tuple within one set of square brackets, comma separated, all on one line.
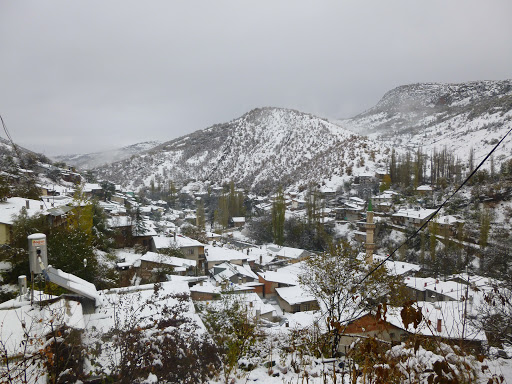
[(397, 267), (13, 206), (168, 260), (291, 253), (88, 187), (251, 301), (448, 219), (206, 287), (181, 241), (223, 254), (419, 213), (125, 305), (18, 317), (286, 275), (294, 295), (451, 314), (232, 270)]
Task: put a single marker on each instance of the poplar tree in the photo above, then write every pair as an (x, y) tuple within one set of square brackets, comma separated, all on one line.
[(278, 214), (200, 215)]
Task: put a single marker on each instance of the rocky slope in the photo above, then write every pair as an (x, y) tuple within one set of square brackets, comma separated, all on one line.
[(434, 116)]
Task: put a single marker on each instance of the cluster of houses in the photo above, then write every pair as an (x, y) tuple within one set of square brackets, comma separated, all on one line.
[(265, 278), (268, 277)]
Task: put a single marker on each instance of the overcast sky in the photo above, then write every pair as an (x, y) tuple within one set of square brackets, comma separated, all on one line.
[(85, 76)]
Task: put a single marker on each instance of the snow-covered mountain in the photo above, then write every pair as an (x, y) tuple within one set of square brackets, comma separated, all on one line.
[(268, 147), (456, 116), (261, 150), (97, 159)]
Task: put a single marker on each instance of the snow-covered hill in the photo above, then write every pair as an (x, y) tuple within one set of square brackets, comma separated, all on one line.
[(97, 159), (268, 147), (261, 150), (456, 116)]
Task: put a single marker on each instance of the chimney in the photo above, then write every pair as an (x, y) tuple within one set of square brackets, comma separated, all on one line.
[(439, 325), (27, 204), (41, 207)]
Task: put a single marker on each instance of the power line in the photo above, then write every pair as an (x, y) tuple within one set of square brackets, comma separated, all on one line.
[(437, 210), (10, 138), (421, 227)]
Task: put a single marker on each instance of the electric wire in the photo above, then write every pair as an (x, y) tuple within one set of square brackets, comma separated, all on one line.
[(10, 138), (436, 211), (373, 270)]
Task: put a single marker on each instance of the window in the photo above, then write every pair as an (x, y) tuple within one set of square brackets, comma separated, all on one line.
[(296, 308), (191, 251), (305, 307)]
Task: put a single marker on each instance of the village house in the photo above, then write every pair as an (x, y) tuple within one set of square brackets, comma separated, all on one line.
[(119, 198), (414, 218), (205, 291), (297, 204), (425, 190), (142, 236), (369, 325), (350, 211), (293, 255), (58, 216), (448, 225), (90, 190), (384, 201), (71, 176), (283, 277), (122, 226), (212, 236), (237, 274), (154, 266), (429, 289), (216, 255), (191, 249), (13, 206), (366, 184), (295, 299), (237, 222), (445, 321)]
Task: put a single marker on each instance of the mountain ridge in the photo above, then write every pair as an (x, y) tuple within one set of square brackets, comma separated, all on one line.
[(267, 146), (96, 159), (259, 150)]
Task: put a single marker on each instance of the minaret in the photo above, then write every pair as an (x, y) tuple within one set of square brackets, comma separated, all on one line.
[(370, 228)]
